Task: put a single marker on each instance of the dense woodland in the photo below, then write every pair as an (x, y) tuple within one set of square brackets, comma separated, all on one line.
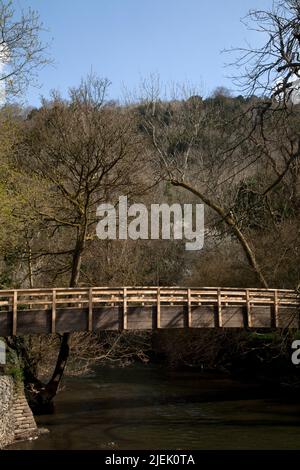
[(238, 155), (62, 160)]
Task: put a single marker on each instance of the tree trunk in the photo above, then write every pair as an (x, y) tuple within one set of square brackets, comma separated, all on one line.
[(41, 395), (30, 274), (76, 263), (228, 219)]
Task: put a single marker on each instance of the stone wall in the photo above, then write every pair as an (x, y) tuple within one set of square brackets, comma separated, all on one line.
[(7, 425), (16, 419), (25, 425)]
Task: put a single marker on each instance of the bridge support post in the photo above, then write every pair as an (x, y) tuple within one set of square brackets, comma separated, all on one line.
[(189, 312), (276, 309), (15, 310), (90, 321), (125, 309), (220, 319), (158, 308), (53, 313), (248, 309)]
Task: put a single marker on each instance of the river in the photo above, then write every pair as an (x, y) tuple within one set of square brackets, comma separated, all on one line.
[(151, 407)]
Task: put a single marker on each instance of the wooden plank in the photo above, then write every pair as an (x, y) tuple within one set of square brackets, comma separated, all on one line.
[(71, 320), (44, 303), (142, 317), (125, 308), (141, 300), (77, 300), (220, 322), (53, 312), (15, 313), (107, 318), (46, 306), (233, 317), (261, 316), (7, 293), (145, 288), (189, 309), (41, 293), (75, 291), (248, 309), (204, 316), (90, 321), (276, 309), (107, 300), (173, 316), (31, 322), (158, 308), (33, 291)]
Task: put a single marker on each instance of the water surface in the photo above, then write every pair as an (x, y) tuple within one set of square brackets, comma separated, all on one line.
[(149, 407)]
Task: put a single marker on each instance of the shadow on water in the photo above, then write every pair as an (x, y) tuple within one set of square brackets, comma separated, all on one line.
[(149, 407)]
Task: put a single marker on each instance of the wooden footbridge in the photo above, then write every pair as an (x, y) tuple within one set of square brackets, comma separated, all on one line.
[(59, 310)]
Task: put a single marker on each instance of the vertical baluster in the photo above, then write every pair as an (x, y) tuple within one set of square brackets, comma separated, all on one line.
[(276, 309), (90, 325), (189, 313), (158, 308), (220, 319), (248, 309), (124, 308), (53, 319), (15, 313)]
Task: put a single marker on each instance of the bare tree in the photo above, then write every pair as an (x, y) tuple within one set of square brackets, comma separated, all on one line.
[(83, 152), (22, 53), (203, 148), (195, 149), (270, 70)]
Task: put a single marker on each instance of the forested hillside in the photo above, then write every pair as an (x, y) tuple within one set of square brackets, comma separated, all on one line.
[(60, 161)]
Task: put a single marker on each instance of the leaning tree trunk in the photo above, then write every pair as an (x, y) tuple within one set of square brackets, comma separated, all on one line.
[(76, 262), (40, 395), (43, 400), (234, 227)]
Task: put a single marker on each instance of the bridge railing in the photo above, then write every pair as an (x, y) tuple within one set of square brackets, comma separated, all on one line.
[(78, 297), (14, 301)]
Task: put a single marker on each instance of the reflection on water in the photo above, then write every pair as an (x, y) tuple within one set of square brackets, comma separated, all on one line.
[(147, 407)]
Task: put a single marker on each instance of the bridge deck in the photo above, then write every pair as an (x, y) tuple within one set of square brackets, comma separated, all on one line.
[(144, 308)]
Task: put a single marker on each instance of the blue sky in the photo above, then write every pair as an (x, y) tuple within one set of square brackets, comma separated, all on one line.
[(126, 40)]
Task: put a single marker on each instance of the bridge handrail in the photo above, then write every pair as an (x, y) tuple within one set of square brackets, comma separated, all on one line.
[(148, 295)]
